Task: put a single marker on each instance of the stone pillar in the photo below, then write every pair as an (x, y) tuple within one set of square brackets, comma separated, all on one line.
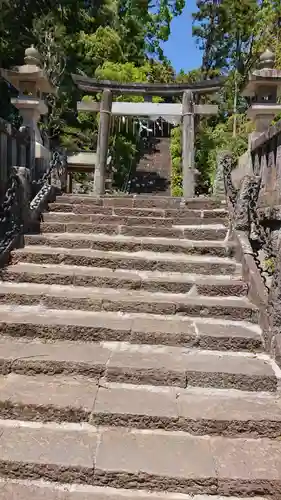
[(218, 188), (14, 152), (188, 145), (103, 139), (3, 158), (24, 177)]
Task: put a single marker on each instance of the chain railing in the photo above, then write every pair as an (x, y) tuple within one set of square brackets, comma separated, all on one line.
[(13, 209), (227, 165), (56, 170), (11, 221), (246, 218)]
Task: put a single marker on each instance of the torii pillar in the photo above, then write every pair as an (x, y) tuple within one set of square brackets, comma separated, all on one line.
[(103, 140)]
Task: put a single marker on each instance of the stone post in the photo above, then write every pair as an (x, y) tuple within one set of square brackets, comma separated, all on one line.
[(24, 177), (3, 159), (188, 145), (218, 188)]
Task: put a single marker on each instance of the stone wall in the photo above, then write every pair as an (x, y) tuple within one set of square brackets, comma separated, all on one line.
[(255, 214)]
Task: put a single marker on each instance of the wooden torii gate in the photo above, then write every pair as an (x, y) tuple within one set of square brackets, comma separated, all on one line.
[(185, 111)]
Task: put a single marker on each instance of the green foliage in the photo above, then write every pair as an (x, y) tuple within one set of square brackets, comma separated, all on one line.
[(75, 36), (121, 40), (95, 48), (124, 150), (231, 35), (269, 265), (225, 33), (176, 151), (210, 140)]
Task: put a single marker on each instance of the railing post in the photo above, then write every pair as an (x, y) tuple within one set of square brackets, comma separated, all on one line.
[(3, 157), (24, 177), (14, 151), (219, 188), (188, 145)]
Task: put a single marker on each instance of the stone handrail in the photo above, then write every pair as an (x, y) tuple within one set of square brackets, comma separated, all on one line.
[(266, 162), (255, 228)]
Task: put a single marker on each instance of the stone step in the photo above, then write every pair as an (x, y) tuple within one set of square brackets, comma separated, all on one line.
[(61, 274), (141, 261), (54, 324), (139, 364), (102, 219), (135, 301), (139, 201), (198, 411), (20, 489), (121, 243), (192, 232), (216, 213), (125, 458)]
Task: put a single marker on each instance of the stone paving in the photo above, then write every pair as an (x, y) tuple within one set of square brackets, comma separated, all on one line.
[(131, 361)]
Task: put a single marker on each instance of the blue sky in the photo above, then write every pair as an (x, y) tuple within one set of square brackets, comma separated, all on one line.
[(181, 48)]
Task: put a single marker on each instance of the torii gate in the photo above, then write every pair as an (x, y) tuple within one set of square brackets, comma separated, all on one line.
[(183, 113)]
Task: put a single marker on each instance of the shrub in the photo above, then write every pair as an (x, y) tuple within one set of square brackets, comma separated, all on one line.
[(176, 151)]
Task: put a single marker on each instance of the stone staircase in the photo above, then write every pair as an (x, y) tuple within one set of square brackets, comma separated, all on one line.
[(132, 364)]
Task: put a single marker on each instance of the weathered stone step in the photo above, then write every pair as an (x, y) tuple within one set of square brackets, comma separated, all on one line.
[(136, 301), (194, 410), (80, 208), (61, 274), (121, 243), (197, 411), (101, 219), (140, 201), (139, 364), (143, 260), (124, 458), (192, 232), (53, 324), (20, 489)]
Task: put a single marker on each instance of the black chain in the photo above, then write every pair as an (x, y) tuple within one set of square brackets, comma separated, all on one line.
[(58, 162), (231, 192), (11, 217), (259, 236), (11, 221)]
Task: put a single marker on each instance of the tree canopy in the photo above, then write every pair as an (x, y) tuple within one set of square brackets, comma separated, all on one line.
[(123, 40)]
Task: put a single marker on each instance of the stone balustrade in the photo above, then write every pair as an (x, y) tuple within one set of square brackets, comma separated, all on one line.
[(14, 151), (253, 193), (266, 162)]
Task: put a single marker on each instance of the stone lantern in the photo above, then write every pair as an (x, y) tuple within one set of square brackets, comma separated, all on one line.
[(263, 88), (32, 83)]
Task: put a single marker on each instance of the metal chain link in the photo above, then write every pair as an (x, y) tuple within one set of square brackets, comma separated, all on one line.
[(258, 232), (259, 236), (58, 161), (11, 221), (230, 190)]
